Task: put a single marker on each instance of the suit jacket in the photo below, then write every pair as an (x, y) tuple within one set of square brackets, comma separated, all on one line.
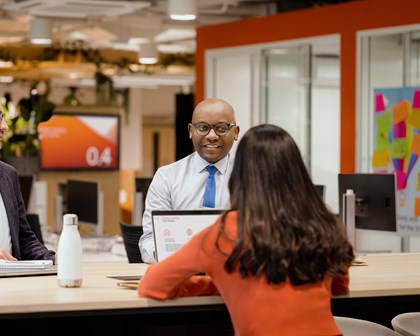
[(25, 245)]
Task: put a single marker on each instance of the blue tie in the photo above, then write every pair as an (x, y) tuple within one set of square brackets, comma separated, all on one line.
[(210, 193)]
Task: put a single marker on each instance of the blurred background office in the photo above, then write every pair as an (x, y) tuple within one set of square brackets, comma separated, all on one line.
[(299, 64)]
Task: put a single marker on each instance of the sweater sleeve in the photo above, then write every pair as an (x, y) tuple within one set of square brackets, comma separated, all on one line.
[(176, 276), (340, 284)]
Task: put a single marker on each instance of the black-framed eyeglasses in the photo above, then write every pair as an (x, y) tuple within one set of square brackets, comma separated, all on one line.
[(221, 128), (2, 117)]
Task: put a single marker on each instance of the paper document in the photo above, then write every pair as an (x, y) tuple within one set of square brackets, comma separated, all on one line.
[(25, 264)]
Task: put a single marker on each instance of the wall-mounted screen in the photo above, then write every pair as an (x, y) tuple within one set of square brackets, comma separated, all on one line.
[(76, 141)]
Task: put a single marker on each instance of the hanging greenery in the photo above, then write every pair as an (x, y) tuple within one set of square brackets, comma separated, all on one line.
[(79, 51), (22, 137), (177, 59), (103, 61), (105, 92)]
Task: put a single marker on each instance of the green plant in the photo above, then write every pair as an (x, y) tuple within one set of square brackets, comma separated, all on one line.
[(21, 140), (105, 91)]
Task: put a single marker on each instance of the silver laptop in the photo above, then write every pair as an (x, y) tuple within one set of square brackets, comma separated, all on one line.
[(173, 228)]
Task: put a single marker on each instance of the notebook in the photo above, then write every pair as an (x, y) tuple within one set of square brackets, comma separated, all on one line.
[(28, 272), (173, 228), (25, 264), (27, 268)]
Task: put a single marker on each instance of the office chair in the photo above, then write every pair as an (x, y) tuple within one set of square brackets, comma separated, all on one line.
[(357, 327), (33, 220), (131, 235), (407, 324)]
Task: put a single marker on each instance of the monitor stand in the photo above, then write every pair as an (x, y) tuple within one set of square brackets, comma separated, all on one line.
[(349, 216)]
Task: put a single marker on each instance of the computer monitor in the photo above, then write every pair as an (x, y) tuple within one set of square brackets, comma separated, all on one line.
[(26, 183), (60, 206), (85, 199), (375, 200), (141, 187), (321, 189)]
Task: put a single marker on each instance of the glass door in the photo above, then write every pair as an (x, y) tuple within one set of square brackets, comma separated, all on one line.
[(286, 92), (301, 93)]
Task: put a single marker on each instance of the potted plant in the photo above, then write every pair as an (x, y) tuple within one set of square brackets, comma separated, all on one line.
[(21, 143)]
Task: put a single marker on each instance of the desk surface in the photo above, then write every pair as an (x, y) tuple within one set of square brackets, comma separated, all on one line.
[(385, 275), (43, 294)]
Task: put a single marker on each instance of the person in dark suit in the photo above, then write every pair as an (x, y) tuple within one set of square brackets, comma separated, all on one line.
[(17, 240)]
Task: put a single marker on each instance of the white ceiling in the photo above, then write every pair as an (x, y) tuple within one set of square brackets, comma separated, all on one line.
[(123, 26), (111, 24)]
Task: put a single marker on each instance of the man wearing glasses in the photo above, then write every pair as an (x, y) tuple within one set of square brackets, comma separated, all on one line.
[(182, 185), (17, 240)]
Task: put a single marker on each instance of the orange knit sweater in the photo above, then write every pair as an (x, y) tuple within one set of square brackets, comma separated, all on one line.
[(255, 307)]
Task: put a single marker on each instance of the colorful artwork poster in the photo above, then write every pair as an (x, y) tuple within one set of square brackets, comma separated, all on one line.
[(397, 148)]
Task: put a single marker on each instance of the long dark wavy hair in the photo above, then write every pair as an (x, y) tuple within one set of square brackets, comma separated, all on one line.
[(285, 230)]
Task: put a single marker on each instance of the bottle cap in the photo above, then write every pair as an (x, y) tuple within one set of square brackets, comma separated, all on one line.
[(70, 219)]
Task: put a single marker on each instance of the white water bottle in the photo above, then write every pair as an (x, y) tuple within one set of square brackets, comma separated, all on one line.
[(69, 254)]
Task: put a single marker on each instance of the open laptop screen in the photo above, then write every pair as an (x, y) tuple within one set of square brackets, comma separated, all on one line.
[(173, 228)]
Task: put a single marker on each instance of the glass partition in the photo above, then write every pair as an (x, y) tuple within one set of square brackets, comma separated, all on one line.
[(301, 93), (388, 59), (286, 92)]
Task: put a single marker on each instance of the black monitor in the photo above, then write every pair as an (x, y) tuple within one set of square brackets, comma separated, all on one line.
[(142, 184), (26, 182), (321, 189), (62, 192), (85, 200), (141, 187), (375, 205)]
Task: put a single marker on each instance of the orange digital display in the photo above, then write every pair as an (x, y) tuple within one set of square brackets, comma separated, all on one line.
[(71, 141)]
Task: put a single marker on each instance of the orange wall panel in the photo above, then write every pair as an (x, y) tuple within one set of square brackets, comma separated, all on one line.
[(344, 19)]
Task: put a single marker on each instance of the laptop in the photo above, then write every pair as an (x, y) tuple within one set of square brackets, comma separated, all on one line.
[(173, 228)]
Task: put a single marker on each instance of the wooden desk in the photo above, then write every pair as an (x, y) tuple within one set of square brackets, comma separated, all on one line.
[(42, 294), (386, 275), (388, 286), (392, 280), (27, 303)]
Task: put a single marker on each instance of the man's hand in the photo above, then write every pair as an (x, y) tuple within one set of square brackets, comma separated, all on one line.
[(6, 255)]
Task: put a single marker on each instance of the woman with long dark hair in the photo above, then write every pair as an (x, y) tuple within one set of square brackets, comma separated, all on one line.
[(276, 257)]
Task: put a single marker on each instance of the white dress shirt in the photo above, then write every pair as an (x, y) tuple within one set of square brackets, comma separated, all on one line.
[(5, 241), (180, 186)]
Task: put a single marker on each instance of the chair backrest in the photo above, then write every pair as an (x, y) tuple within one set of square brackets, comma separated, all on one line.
[(407, 324), (33, 220), (357, 327), (131, 235)]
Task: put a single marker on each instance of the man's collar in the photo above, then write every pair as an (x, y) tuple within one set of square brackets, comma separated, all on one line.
[(201, 164)]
